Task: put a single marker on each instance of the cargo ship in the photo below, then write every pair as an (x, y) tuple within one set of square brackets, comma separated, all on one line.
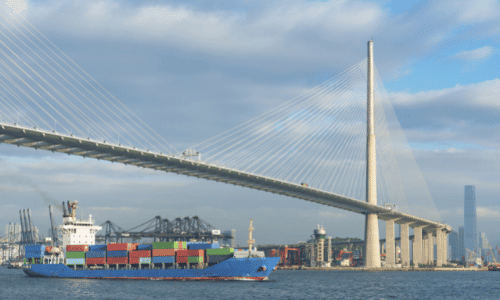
[(80, 257)]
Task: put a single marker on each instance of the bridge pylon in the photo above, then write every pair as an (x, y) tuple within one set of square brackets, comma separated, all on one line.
[(371, 256)]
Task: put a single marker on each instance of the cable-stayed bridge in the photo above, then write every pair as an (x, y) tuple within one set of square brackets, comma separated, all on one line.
[(48, 102)]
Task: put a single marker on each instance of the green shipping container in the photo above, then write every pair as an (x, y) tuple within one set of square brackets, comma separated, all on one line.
[(75, 254), (222, 251), (165, 245), (195, 259)]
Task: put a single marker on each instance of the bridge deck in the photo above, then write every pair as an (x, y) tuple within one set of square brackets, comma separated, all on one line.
[(71, 145)]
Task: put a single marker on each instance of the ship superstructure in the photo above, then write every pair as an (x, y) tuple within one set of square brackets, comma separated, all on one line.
[(77, 231)]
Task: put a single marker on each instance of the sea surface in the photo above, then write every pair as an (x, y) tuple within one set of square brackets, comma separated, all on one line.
[(14, 284)]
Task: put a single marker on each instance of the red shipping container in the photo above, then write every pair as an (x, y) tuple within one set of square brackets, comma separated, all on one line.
[(141, 253), (117, 260), (48, 248), (182, 253), (181, 259), (134, 246), (77, 248), (96, 261), (164, 252), (121, 246), (196, 253), (134, 260), (181, 244)]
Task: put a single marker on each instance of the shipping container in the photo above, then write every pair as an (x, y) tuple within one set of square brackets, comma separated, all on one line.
[(181, 253), (77, 248), (163, 259), (215, 259), (75, 261), (133, 260), (196, 246), (221, 251), (121, 247), (145, 247), (165, 245), (96, 260), (143, 253), (117, 260), (196, 252), (34, 248), (118, 253), (34, 255), (75, 254), (95, 253), (48, 249), (181, 259), (145, 260), (98, 247), (182, 245), (164, 252), (195, 259)]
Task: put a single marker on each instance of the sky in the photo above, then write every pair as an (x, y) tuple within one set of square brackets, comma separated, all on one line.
[(194, 69)]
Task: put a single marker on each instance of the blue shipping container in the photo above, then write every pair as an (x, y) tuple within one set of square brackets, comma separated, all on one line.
[(163, 259), (34, 254), (144, 260), (34, 248), (98, 247), (203, 246), (118, 253), (75, 261), (145, 247), (95, 253)]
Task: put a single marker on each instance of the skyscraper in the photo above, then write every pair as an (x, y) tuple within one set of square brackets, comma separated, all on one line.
[(453, 242), (470, 231), (461, 246), (483, 246)]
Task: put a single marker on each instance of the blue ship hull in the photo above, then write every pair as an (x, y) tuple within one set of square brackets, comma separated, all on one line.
[(231, 269)]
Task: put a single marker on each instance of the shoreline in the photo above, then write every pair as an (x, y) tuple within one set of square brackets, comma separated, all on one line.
[(410, 269)]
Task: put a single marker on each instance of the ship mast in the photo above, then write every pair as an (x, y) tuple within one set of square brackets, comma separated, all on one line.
[(251, 241)]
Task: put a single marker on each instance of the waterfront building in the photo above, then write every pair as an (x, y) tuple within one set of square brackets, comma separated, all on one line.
[(470, 219)]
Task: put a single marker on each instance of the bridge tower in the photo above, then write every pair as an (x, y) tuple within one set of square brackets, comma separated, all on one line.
[(371, 256)]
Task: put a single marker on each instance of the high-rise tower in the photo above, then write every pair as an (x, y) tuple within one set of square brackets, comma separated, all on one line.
[(470, 229)]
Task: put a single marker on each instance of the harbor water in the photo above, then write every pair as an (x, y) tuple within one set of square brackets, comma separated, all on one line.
[(14, 284)]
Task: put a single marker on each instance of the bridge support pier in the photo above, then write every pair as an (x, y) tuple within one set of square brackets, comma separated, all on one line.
[(390, 247), (405, 245), (425, 249), (417, 246), (430, 250), (445, 249), (439, 244)]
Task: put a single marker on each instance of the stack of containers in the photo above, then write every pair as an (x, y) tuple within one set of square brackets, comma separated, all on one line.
[(96, 255), (165, 252), (140, 257), (75, 254), (163, 256), (35, 252), (118, 253), (196, 256), (215, 256)]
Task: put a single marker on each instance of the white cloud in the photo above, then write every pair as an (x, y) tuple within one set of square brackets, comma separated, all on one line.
[(477, 54), (479, 95)]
